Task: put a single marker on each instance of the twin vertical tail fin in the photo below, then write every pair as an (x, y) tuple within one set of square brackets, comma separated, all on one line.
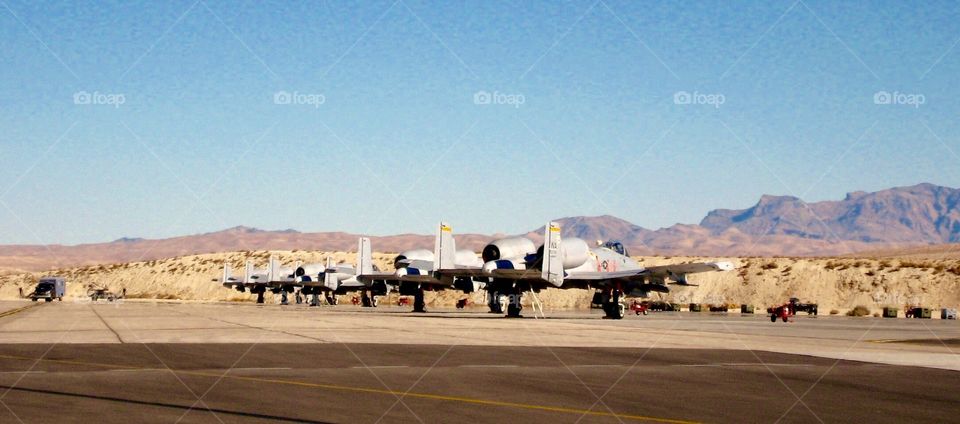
[(226, 273), (273, 269), (247, 271), (364, 257), (444, 249), (329, 276), (552, 265)]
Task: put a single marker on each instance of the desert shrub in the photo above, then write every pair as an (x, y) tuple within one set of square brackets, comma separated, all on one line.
[(876, 315), (834, 312), (870, 273), (858, 311), (769, 265), (913, 264), (831, 265)]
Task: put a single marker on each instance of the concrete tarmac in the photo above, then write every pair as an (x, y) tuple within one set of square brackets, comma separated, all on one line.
[(168, 362)]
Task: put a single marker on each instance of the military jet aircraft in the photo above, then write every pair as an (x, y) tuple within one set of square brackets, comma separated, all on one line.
[(514, 268), (343, 278), (253, 279), (421, 270), (312, 279)]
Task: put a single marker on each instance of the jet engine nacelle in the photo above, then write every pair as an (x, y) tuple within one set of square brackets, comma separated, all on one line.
[(489, 267), (409, 257), (512, 248), (310, 272), (574, 252), (466, 257)]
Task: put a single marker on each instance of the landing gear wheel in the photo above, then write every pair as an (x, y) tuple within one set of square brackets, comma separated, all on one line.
[(364, 300), (515, 306), (49, 299), (773, 318), (494, 302), (419, 305), (612, 306), (374, 302)]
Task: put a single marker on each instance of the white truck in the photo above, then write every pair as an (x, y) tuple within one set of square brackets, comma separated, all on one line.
[(49, 288)]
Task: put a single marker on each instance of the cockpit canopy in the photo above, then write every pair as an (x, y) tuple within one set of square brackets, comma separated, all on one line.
[(616, 246)]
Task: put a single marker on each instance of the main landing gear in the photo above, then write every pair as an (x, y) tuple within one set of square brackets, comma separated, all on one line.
[(419, 304), (493, 301), (611, 301), (259, 292), (514, 306), (367, 299)]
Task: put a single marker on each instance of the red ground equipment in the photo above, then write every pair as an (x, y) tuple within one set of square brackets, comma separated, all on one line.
[(783, 312), (640, 307)]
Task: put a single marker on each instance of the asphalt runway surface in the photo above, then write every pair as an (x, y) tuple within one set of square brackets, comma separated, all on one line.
[(442, 378)]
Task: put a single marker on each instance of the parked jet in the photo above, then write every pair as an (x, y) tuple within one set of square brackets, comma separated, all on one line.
[(343, 278), (254, 280), (312, 279), (514, 268), (421, 270)]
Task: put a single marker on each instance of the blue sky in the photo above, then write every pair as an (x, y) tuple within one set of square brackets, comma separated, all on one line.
[(168, 118)]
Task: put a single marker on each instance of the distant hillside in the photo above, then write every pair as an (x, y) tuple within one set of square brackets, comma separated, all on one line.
[(32, 258), (592, 228), (921, 214), (886, 220)]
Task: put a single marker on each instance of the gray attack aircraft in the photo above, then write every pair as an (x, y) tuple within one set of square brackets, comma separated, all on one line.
[(513, 266), (312, 279), (420, 270)]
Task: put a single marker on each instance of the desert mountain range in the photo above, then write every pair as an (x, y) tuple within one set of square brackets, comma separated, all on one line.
[(895, 218)]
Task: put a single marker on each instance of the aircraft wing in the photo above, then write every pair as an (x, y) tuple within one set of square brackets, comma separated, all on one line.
[(439, 279), (376, 276), (679, 272)]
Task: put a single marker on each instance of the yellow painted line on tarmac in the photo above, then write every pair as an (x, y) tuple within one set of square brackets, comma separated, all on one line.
[(18, 310), (355, 389)]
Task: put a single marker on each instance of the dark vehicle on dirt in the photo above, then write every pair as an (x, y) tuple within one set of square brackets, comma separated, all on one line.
[(49, 288)]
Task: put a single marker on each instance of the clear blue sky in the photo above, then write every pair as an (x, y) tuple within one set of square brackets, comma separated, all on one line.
[(200, 144)]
